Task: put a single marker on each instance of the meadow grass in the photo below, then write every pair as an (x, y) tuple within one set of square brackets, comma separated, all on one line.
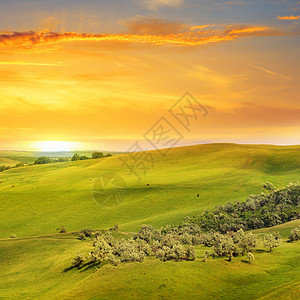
[(36, 264), (47, 196), (39, 268)]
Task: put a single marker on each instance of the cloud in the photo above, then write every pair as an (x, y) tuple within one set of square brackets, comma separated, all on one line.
[(154, 5), (242, 30), (141, 31), (50, 23), (197, 27), (235, 3), (270, 72), (24, 63), (142, 25), (289, 18)]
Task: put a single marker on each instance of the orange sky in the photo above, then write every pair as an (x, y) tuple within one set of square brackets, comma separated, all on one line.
[(92, 88)]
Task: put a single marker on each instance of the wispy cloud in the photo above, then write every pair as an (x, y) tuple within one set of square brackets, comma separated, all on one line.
[(235, 3), (154, 26), (25, 63), (152, 32), (271, 72), (289, 18), (154, 5)]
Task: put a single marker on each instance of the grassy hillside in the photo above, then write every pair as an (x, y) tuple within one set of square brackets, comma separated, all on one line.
[(11, 158), (46, 196), (36, 264), (38, 268)]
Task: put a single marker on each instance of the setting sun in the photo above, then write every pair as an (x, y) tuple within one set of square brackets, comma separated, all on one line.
[(55, 146)]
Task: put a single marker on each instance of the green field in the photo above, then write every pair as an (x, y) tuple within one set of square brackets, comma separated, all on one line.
[(11, 158), (46, 196)]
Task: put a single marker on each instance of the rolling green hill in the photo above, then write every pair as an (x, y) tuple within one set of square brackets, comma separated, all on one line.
[(47, 196), (35, 265), (38, 268)]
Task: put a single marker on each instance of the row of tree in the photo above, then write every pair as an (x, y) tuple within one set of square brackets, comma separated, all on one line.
[(222, 230), (75, 157), (95, 155), (174, 243), (273, 207)]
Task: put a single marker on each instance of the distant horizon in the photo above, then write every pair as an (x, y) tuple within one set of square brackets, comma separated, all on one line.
[(148, 149)]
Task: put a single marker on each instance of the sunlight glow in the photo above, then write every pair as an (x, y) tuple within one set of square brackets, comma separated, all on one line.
[(55, 146)]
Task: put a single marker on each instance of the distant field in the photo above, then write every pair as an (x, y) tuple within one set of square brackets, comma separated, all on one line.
[(35, 264), (11, 158)]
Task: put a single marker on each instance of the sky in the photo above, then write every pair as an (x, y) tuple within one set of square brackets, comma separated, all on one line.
[(101, 74)]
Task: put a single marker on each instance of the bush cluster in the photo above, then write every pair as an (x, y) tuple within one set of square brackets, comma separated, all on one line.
[(268, 209), (295, 234), (222, 230)]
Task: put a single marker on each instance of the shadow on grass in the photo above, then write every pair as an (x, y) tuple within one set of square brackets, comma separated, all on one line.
[(261, 251), (87, 266), (245, 261)]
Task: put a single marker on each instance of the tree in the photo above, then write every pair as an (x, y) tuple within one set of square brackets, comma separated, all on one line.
[(97, 155), (191, 253), (88, 232), (4, 168), (295, 234), (146, 233), (63, 159), (61, 229), (77, 261), (75, 157), (247, 241), (270, 241), (19, 165), (84, 157), (223, 245), (269, 186), (42, 160)]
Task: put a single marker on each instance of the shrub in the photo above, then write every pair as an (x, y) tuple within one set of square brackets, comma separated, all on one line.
[(245, 241), (97, 155), (4, 168), (75, 157), (295, 234), (223, 245), (81, 236), (264, 210), (87, 232), (271, 241), (113, 259), (12, 236), (42, 160), (61, 229), (19, 165), (269, 186), (147, 233), (77, 261), (190, 253), (186, 238)]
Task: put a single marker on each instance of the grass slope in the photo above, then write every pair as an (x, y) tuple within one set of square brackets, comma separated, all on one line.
[(35, 265), (38, 268), (46, 196)]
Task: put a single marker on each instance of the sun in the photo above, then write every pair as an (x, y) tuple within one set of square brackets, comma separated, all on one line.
[(55, 146)]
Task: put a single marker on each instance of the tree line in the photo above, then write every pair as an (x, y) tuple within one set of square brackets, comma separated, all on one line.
[(223, 231), (273, 207)]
